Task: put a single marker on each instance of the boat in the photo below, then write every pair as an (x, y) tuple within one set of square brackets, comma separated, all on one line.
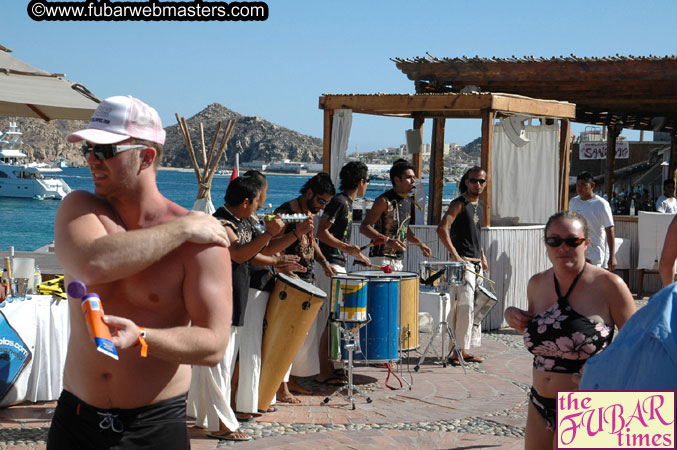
[(25, 180), (222, 173), (287, 166)]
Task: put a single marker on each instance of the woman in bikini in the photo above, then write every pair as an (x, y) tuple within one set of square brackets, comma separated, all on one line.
[(573, 308)]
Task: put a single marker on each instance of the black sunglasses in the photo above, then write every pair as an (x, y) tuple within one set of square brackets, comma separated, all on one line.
[(106, 151), (477, 180), (367, 180), (321, 201), (556, 241)]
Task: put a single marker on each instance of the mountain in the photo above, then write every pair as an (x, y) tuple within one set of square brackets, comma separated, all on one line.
[(260, 139)]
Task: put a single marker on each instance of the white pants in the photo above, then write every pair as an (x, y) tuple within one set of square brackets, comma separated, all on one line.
[(460, 317), (251, 336), (396, 264), (307, 360), (209, 393)]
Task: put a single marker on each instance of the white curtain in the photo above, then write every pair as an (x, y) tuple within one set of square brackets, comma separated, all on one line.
[(524, 179), (340, 134), (205, 205)]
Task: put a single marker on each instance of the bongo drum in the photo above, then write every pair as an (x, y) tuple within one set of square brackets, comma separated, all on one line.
[(408, 304), (292, 308)]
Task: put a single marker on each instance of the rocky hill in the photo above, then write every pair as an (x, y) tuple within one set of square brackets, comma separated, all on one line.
[(259, 139)]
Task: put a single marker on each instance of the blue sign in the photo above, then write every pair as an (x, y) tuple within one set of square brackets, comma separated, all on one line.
[(14, 355)]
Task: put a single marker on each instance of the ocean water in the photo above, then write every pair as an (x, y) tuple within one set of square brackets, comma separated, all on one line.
[(28, 224)]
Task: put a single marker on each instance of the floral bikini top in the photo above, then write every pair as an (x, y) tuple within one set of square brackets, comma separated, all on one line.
[(561, 339)]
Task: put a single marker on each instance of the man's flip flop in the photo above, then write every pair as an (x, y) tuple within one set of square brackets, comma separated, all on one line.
[(472, 358), (229, 437), (270, 409)]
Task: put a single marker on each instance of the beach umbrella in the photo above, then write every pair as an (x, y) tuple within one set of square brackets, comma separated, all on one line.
[(210, 161), (26, 91)]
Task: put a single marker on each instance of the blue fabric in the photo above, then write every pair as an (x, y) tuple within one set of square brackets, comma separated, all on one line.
[(644, 355)]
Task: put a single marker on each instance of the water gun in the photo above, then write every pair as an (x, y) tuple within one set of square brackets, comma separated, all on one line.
[(287, 218), (93, 311), (52, 287)]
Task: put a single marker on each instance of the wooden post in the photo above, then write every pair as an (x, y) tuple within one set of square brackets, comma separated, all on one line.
[(487, 140), (417, 158), (436, 185), (564, 146), (611, 159), (326, 141), (673, 156)]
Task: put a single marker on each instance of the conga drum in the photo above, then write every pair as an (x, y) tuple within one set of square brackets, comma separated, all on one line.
[(484, 302), (292, 308), (441, 275), (408, 298)]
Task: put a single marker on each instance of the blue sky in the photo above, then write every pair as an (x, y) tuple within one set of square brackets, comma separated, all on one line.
[(277, 69)]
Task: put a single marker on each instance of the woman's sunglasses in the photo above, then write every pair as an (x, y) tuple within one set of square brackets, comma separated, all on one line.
[(106, 151), (556, 241)]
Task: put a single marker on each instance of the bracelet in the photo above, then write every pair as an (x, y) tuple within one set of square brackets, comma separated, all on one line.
[(142, 341)]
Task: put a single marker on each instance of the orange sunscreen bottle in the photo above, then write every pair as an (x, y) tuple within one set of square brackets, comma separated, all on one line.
[(93, 311)]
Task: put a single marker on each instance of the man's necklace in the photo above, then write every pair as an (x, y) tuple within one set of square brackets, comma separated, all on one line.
[(475, 217)]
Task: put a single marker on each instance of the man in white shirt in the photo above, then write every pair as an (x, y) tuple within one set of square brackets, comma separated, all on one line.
[(667, 203), (597, 213)]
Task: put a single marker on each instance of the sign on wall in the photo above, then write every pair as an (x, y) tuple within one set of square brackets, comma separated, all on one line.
[(597, 150)]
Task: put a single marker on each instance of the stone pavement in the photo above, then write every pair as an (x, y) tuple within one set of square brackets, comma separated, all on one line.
[(445, 408)]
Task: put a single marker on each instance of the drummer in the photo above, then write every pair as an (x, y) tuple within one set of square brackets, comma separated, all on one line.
[(315, 195), (241, 201), (334, 235), (460, 232), (387, 222)]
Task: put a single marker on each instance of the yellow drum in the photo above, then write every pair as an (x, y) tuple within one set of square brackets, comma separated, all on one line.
[(292, 308), (408, 304)]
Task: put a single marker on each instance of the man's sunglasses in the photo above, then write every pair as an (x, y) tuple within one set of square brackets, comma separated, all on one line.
[(477, 180), (556, 241), (321, 201), (106, 151)]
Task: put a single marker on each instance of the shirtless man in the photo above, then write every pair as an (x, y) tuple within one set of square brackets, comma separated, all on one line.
[(163, 284)]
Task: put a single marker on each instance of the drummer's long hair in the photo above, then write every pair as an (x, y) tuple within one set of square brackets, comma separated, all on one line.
[(462, 188), (320, 184)]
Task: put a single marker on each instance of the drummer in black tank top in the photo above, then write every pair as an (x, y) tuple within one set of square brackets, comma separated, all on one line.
[(388, 222), (460, 233)]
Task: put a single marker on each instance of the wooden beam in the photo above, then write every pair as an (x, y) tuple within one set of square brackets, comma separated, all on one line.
[(564, 146), (436, 184), (326, 140), (673, 156), (417, 158), (411, 103), (487, 141), (611, 159)]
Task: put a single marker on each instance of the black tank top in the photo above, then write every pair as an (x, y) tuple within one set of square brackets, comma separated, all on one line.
[(394, 222), (465, 231)]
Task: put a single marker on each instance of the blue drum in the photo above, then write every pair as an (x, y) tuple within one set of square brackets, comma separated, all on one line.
[(379, 339)]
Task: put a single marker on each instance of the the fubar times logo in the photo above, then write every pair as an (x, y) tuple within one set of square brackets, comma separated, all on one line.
[(614, 419)]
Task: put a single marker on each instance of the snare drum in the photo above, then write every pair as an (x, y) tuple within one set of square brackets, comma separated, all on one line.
[(292, 308), (348, 298), (484, 302), (441, 274), (408, 300)]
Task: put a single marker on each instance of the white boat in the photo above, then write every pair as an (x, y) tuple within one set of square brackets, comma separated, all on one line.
[(24, 180), (287, 166), (222, 173)]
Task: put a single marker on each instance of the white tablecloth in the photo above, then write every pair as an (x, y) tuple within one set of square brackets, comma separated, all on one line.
[(42, 323)]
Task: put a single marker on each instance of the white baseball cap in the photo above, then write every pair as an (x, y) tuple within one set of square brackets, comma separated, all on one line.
[(120, 118)]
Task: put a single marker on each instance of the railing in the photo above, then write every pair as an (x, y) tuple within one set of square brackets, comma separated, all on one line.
[(514, 254)]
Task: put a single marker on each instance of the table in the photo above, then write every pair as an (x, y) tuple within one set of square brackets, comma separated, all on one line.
[(43, 327)]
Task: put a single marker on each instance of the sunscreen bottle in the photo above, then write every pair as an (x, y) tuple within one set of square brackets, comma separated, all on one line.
[(93, 311)]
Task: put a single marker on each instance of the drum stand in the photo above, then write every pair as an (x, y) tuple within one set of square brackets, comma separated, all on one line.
[(440, 329), (351, 337), (409, 382)]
